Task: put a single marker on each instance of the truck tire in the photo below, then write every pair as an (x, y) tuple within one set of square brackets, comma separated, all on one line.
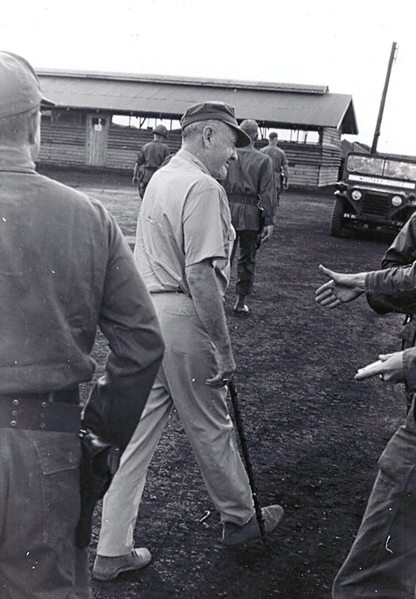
[(337, 218)]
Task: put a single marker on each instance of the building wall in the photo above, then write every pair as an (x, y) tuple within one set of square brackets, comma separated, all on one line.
[(124, 143), (65, 144), (62, 144)]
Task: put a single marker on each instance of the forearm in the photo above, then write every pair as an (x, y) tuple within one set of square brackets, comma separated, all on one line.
[(268, 195), (286, 172), (114, 407), (209, 304), (392, 290)]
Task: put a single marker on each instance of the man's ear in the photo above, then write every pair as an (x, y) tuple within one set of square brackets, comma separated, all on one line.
[(34, 128), (207, 134), (34, 134)]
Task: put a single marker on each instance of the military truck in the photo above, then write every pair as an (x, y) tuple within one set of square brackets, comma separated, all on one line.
[(376, 191)]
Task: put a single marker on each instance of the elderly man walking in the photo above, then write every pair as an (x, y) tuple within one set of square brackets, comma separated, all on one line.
[(251, 190), (65, 269), (183, 246)]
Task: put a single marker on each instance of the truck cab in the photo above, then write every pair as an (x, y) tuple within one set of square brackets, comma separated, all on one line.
[(376, 191)]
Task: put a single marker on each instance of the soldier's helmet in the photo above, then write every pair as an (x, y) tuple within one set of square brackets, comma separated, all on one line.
[(161, 130)]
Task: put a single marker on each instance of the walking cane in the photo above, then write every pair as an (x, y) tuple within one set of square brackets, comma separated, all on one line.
[(240, 430)]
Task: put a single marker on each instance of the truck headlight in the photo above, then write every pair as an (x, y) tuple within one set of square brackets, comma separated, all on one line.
[(397, 200), (356, 195)]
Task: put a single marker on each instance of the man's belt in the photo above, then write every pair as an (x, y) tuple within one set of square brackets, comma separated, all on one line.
[(252, 200), (157, 292), (41, 411)]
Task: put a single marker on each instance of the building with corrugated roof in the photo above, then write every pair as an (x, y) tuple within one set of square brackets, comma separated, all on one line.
[(102, 119)]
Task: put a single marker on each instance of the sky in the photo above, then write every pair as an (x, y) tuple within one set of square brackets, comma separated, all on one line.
[(345, 46)]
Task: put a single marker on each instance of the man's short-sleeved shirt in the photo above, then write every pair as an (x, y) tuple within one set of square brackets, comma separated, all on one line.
[(278, 158), (184, 219)]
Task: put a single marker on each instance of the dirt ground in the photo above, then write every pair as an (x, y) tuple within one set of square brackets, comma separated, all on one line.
[(314, 433)]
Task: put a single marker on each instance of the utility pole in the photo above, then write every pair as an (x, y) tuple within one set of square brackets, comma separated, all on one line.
[(383, 99)]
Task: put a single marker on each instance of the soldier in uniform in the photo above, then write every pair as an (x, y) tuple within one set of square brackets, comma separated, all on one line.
[(150, 158), (251, 192), (66, 268)]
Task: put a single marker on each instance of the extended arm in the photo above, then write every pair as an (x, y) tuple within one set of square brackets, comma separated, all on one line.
[(389, 367), (340, 289), (389, 290), (210, 309), (398, 367)]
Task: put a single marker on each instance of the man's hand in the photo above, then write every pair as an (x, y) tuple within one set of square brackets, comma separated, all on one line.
[(389, 367), (341, 289), (209, 306), (267, 233), (224, 374), (135, 180)]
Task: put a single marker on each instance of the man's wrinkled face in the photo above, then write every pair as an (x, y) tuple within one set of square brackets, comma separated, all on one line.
[(221, 150)]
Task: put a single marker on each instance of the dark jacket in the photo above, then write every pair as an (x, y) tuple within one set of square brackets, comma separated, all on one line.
[(250, 181)]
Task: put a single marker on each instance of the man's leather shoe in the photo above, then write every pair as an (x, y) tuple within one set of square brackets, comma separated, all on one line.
[(234, 535), (108, 568)]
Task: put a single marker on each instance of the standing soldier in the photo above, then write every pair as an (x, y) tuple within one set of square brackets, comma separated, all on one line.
[(65, 269), (150, 158), (280, 164), (251, 193)]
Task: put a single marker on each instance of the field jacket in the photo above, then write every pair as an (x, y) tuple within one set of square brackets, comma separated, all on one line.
[(394, 290), (65, 270)]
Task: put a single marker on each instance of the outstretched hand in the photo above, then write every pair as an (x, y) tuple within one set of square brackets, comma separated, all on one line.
[(341, 288), (389, 367)]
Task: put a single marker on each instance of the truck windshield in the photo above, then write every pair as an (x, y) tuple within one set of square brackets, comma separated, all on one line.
[(387, 167), (400, 170)]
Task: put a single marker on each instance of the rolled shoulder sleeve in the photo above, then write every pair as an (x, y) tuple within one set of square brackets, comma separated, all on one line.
[(205, 224)]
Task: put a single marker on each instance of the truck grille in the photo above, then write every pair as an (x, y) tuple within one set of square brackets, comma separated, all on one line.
[(374, 204)]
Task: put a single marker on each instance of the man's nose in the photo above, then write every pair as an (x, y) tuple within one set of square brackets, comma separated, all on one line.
[(234, 154)]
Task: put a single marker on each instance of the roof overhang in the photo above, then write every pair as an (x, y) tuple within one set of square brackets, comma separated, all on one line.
[(270, 104)]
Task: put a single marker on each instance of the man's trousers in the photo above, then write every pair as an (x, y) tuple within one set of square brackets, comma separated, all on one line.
[(382, 560), (246, 265), (188, 362), (39, 509)]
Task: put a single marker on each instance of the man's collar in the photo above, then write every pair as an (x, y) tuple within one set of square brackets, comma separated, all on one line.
[(15, 159), (189, 156)]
